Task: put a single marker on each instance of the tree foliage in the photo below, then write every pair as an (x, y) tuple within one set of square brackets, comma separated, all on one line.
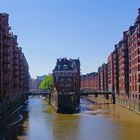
[(47, 83)]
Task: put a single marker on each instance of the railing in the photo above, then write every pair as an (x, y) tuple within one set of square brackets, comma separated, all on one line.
[(86, 92)]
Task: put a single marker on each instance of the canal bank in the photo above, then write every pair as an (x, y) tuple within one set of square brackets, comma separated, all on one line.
[(62, 103), (132, 104), (7, 108), (127, 103)]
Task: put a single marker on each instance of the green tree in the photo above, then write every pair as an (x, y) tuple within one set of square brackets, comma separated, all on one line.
[(47, 83)]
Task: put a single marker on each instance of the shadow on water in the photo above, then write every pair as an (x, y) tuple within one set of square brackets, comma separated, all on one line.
[(13, 127), (84, 105)]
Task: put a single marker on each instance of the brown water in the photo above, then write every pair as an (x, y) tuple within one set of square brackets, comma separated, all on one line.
[(94, 122)]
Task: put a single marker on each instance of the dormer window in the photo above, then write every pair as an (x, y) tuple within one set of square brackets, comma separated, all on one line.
[(58, 67), (73, 65), (65, 67)]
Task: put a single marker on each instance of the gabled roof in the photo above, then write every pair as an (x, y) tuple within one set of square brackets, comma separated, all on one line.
[(66, 64)]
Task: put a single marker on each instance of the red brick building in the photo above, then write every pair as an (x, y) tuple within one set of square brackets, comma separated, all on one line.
[(116, 70), (90, 81), (103, 78), (122, 69), (134, 58), (14, 70), (100, 78), (113, 71), (123, 65), (110, 72), (67, 75), (96, 80)]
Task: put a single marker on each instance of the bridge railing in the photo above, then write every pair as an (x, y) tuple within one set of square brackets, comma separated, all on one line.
[(86, 92)]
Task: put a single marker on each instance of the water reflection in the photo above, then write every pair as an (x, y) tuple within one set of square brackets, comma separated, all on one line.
[(65, 127), (14, 126), (39, 120), (95, 121)]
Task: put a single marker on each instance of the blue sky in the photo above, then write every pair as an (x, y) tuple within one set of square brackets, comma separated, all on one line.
[(50, 29)]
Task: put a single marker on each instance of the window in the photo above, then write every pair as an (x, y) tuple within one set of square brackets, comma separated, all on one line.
[(58, 67), (138, 58), (65, 67), (135, 87), (139, 78)]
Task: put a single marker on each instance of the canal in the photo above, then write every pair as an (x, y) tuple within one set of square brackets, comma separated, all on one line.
[(37, 121)]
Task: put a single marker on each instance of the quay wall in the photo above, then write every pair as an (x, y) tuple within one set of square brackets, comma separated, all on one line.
[(131, 104), (63, 103), (7, 108)]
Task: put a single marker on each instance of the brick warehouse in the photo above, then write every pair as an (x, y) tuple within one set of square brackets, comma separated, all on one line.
[(134, 58), (90, 81), (123, 66), (124, 61), (102, 76), (123, 69), (13, 65), (96, 80)]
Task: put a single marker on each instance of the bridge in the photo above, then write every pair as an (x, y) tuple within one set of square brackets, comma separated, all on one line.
[(37, 92), (86, 92), (83, 92)]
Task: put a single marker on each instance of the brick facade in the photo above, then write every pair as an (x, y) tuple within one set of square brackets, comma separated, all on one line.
[(96, 80), (110, 73), (13, 64), (90, 81)]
